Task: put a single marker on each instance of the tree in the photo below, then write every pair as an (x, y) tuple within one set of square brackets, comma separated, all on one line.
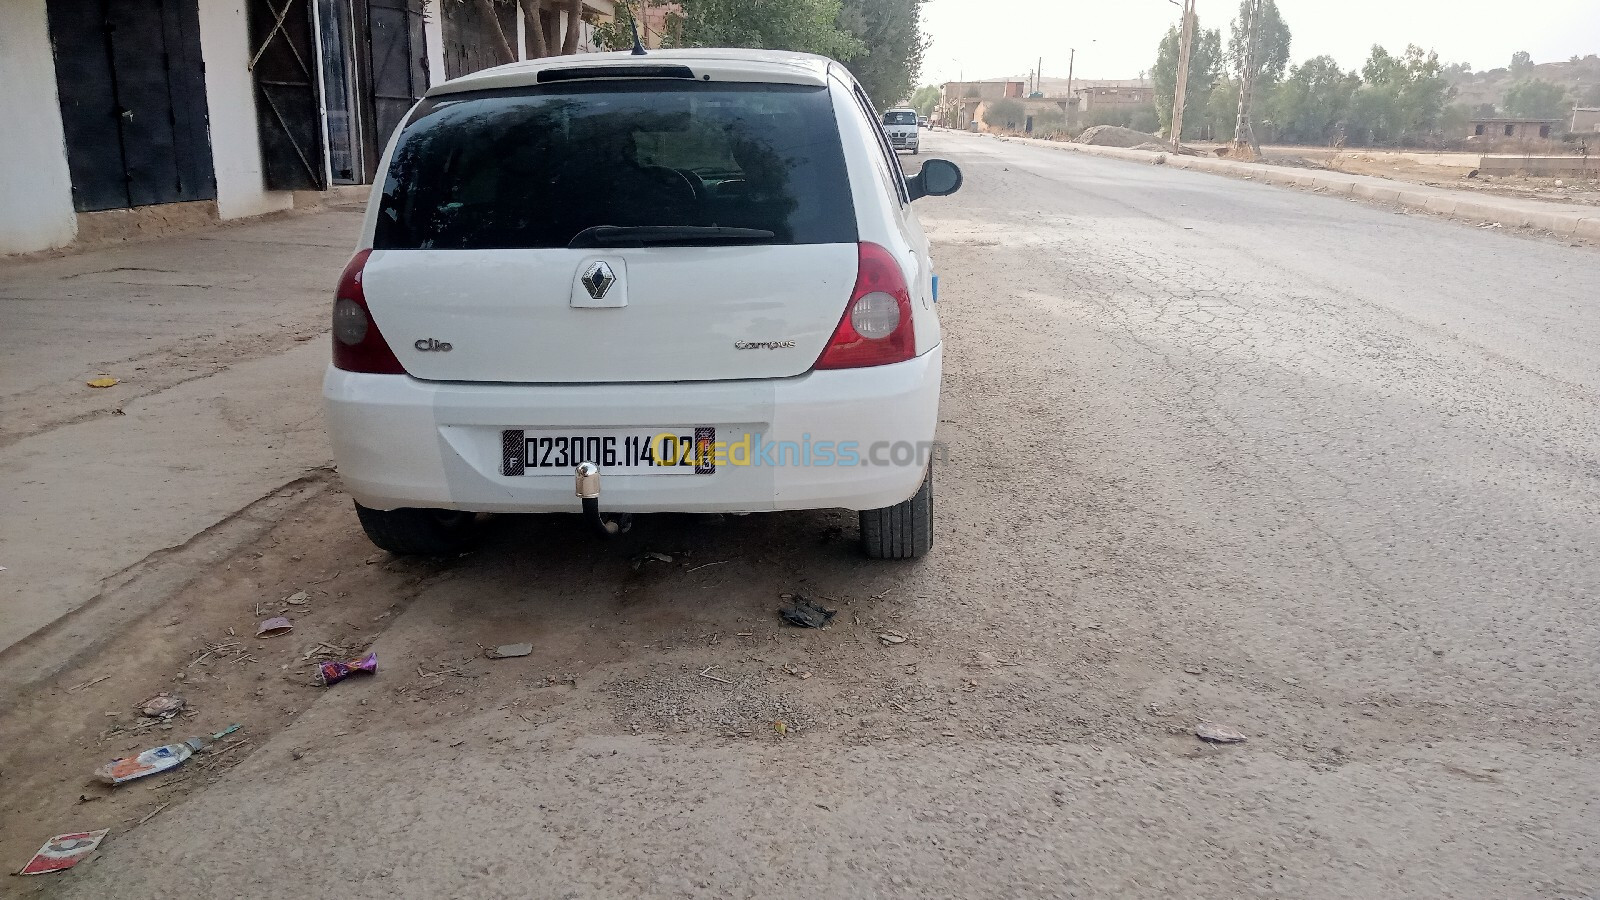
[(890, 34), (1536, 99), (1404, 96), (1592, 96), (924, 99), (1521, 61), (1309, 105), (1272, 44), (1007, 114), (1221, 117), (1205, 67), (809, 26)]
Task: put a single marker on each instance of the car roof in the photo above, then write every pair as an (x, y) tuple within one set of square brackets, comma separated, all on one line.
[(708, 64)]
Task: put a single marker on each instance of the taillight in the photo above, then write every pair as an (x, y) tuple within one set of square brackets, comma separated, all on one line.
[(876, 328), (358, 345)]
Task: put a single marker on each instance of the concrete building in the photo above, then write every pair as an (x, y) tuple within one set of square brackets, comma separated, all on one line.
[(991, 89), (122, 117), (1518, 129), (1102, 96), (1586, 120)]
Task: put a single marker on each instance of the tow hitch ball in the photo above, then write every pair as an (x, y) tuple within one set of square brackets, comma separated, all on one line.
[(587, 476)]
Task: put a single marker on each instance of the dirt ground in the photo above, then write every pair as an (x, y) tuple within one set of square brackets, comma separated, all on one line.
[(1557, 190), (1219, 453)]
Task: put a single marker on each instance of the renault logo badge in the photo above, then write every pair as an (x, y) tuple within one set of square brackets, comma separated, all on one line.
[(598, 279)]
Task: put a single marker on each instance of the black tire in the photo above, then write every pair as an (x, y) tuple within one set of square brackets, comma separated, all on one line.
[(418, 532), (913, 151), (902, 531)]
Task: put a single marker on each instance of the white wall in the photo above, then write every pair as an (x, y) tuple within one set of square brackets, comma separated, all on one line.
[(35, 186), (230, 97)]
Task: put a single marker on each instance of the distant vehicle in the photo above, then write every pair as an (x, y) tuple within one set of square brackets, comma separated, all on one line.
[(901, 127), (922, 121), (696, 276)]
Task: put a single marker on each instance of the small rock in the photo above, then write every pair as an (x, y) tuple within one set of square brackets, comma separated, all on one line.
[(889, 638), (1193, 670), (298, 753), (298, 598)]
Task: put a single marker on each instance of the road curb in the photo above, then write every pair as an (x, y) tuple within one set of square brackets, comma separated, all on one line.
[(1473, 209)]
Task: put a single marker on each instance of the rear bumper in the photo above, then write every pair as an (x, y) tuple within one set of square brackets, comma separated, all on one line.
[(857, 439)]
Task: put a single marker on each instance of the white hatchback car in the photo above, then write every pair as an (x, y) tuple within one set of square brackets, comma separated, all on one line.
[(689, 281)]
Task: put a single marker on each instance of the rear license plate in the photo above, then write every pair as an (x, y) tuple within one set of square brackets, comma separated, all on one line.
[(617, 451)]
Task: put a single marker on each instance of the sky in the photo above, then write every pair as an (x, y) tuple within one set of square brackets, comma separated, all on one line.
[(1117, 38)]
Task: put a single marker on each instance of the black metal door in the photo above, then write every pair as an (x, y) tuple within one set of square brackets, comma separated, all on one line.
[(133, 102), (399, 64), (288, 117)]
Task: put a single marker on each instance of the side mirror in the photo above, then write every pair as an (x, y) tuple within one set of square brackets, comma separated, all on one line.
[(938, 178)]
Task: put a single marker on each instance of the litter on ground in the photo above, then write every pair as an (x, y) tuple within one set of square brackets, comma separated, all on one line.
[(332, 671), (162, 706), (1217, 734), (803, 613), (507, 651), (274, 626), (64, 851)]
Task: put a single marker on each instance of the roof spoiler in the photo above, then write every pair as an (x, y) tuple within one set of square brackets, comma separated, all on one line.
[(581, 73)]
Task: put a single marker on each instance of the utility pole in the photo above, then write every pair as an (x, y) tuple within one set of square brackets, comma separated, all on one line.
[(1071, 107), (1245, 145), (1185, 42), (1038, 77)]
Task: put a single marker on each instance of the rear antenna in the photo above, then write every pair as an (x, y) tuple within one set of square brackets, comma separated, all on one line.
[(633, 22)]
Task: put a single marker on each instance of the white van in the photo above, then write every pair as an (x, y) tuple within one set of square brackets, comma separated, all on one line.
[(901, 127), (691, 281)]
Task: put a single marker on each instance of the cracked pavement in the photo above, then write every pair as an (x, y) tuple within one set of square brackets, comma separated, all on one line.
[(1219, 452)]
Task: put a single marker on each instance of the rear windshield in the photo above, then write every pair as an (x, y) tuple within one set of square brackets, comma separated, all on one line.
[(532, 167), (899, 118)]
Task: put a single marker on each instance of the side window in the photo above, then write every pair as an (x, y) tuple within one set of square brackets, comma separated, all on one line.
[(887, 152)]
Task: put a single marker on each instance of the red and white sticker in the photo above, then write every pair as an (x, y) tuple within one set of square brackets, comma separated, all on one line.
[(63, 852)]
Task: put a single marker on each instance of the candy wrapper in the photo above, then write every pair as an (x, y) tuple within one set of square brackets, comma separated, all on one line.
[(332, 671)]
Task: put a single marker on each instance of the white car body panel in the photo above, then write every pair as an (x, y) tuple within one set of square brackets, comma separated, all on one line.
[(404, 442), (431, 438), (509, 314)]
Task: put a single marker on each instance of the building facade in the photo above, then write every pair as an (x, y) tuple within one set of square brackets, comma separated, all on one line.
[(1102, 96), (122, 112), (1586, 120), (1499, 128)]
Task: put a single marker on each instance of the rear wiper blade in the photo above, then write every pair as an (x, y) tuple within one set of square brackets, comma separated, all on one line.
[(655, 235)]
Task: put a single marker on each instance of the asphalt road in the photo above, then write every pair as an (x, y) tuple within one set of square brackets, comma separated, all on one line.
[(1219, 452)]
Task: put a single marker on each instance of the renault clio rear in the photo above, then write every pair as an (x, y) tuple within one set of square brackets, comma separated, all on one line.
[(617, 284)]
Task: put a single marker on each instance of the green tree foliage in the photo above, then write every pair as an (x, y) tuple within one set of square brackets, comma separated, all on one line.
[(616, 34), (1003, 114), (810, 26), (1402, 97), (1537, 99), (924, 99), (1521, 61), (1309, 105), (891, 35), (1139, 118), (1591, 96), (1221, 117), (1272, 44), (1205, 67)]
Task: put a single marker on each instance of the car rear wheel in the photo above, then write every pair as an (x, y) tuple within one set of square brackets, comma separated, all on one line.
[(418, 532), (902, 531)]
